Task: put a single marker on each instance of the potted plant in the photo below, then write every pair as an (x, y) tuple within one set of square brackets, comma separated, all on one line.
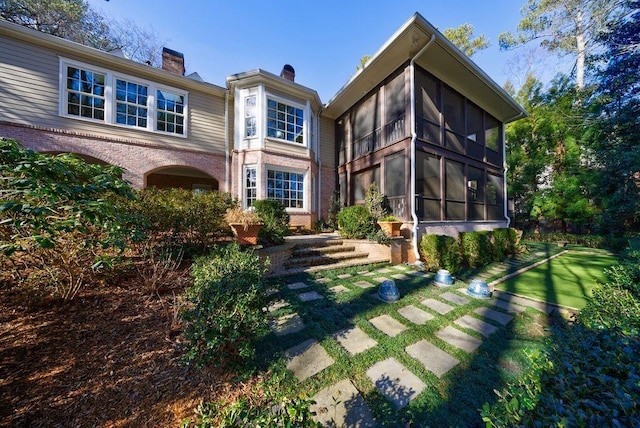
[(390, 225), (244, 224)]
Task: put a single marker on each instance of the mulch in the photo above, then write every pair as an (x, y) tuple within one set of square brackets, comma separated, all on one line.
[(109, 358)]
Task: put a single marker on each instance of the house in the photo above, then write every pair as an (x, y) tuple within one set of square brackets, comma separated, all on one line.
[(420, 119)]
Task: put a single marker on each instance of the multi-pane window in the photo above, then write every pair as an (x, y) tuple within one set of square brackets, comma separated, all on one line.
[(285, 122), (287, 187), (85, 93), (169, 112), (131, 103), (250, 186), (101, 95), (250, 128)]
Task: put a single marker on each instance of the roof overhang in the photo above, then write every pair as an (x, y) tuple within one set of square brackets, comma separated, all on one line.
[(441, 58), (115, 62), (255, 77)]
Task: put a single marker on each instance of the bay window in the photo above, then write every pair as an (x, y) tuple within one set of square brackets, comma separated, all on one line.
[(286, 187)]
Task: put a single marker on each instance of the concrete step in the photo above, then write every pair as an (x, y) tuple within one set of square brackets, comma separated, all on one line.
[(324, 259), (308, 251), (338, 265), (319, 244)]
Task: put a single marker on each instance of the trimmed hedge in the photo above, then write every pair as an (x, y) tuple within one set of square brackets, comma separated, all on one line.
[(440, 251), (476, 248), (591, 241)]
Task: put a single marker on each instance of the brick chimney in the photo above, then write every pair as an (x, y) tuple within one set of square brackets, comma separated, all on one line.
[(288, 73), (172, 61)]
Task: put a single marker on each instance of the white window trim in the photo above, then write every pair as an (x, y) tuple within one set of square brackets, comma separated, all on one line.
[(245, 168), (110, 101), (305, 118), (305, 184)]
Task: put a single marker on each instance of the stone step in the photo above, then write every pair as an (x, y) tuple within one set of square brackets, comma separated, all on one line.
[(339, 265), (319, 251), (324, 259), (320, 243)]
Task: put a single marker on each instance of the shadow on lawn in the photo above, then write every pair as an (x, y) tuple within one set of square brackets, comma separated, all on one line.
[(468, 385)]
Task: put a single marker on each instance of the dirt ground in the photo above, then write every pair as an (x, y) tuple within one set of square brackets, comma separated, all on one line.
[(110, 358)]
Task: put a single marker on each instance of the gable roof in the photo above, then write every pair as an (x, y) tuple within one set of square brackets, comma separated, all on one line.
[(441, 58)]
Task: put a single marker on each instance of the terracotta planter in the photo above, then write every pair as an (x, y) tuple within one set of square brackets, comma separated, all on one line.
[(390, 228), (246, 235)]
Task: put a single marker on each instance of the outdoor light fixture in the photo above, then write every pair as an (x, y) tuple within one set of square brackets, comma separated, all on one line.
[(478, 288), (388, 291), (443, 278)]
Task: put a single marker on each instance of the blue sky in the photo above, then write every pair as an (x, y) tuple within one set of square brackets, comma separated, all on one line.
[(322, 40)]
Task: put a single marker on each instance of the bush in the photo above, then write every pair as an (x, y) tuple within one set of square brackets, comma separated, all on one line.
[(275, 220), (355, 222), (377, 204), (476, 248), (505, 243), (335, 205), (57, 219), (591, 241), (183, 216), (440, 252), (225, 307)]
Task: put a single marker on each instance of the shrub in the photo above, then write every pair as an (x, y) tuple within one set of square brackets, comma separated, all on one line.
[(335, 205), (57, 218), (225, 311), (440, 251), (183, 216), (275, 220), (476, 248), (376, 203), (591, 241), (355, 222)]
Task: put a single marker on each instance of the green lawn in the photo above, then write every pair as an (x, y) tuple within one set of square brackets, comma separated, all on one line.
[(566, 280)]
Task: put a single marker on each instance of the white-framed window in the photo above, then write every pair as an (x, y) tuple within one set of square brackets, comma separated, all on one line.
[(131, 103), (287, 187), (285, 121), (85, 90), (97, 94), (170, 112), (250, 123), (250, 185)]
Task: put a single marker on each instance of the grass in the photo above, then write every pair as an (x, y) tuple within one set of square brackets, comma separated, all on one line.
[(453, 399), (566, 280)]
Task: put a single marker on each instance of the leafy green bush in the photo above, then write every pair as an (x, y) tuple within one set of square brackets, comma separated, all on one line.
[(440, 252), (377, 204), (275, 220), (584, 378), (355, 222), (591, 241), (225, 307), (57, 220), (476, 248), (273, 403), (182, 215), (505, 243), (335, 205)]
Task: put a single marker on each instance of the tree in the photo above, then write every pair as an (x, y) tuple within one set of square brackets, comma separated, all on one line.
[(616, 108), (463, 38), (75, 20), (564, 27), (545, 153)]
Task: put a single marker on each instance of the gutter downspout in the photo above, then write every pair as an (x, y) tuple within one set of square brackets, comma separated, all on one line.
[(504, 164), (227, 179), (414, 136)]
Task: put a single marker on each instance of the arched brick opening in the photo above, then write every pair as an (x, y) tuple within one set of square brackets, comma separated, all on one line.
[(183, 177)]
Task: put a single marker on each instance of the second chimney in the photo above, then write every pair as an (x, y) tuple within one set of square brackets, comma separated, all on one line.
[(173, 61), (288, 73)]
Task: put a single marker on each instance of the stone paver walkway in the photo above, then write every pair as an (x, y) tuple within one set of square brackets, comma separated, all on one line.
[(354, 340), (395, 382), (388, 325), (432, 358), (307, 359), (342, 405), (415, 315)]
